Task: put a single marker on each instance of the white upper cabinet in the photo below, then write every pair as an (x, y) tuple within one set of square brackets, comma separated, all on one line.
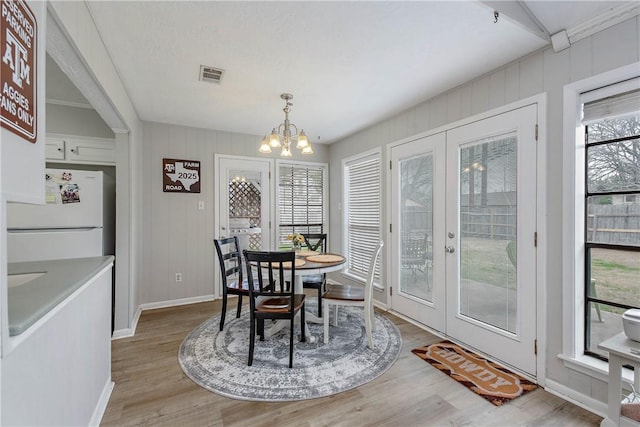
[(76, 149), (54, 148)]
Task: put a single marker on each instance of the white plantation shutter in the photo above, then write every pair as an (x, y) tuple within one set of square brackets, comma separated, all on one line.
[(363, 212), (300, 200)]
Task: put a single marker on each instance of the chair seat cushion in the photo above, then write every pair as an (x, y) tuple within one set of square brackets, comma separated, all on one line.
[(278, 304), (345, 293)]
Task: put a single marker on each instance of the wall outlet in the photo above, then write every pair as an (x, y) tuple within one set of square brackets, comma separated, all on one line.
[(178, 277)]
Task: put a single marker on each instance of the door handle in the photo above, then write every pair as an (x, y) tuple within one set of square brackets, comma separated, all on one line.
[(449, 249)]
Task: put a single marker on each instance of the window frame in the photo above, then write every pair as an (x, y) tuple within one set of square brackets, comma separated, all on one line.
[(589, 245), (360, 275), (573, 219), (325, 194)]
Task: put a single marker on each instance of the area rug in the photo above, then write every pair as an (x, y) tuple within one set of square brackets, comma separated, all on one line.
[(217, 360), (484, 377)]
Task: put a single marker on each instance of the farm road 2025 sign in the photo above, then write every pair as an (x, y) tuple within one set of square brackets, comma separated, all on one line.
[(180, 176)]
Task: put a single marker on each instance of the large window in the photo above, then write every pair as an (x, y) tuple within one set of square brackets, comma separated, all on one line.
[(301, 199), (362, 213), (611, 215)]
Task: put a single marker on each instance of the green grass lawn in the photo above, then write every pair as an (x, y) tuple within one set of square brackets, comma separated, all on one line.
[(486, 261), (617, 276)]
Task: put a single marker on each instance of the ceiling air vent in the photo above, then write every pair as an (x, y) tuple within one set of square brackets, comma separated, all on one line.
[(210, 74)]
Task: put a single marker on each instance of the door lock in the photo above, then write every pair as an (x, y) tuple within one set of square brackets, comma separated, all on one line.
[(449, 249)]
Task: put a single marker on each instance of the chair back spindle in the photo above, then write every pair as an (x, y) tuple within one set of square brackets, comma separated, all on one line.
[(316, 242), (232, 279)]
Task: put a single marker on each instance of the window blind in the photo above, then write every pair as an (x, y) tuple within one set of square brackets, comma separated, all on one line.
[(363, 213), (612, 106), (300, 200)]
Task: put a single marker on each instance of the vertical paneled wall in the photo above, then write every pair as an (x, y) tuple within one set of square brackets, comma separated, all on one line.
[(79, 28), (177, 237), (542, 72)]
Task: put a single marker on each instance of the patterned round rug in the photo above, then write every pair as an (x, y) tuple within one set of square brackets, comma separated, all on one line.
[(217, 360)]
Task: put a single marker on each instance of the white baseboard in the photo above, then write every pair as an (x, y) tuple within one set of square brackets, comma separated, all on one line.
[(98, 412), (383, 307), (578, 399), (122, 333), (419, 325), (126, 333), (175, 302)]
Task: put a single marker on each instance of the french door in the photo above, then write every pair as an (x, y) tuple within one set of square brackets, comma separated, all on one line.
[(243, 200), (417, 190), (480, 287)]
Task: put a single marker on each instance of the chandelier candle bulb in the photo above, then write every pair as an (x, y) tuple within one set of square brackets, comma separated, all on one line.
[(274, 141), (303, 141), (264, 146)]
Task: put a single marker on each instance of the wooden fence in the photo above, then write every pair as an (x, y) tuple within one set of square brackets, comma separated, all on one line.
[(616, 223)]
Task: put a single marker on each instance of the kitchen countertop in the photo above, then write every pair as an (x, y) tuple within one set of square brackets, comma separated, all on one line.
[(30, 301)]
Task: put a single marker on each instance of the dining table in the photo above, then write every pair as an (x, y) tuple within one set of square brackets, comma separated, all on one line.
[(309, 263)]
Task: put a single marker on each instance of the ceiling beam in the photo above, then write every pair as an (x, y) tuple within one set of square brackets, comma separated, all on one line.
[(72, 65), (518, 12)]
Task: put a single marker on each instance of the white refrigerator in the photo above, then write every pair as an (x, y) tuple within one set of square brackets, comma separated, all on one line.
[(69, 225)]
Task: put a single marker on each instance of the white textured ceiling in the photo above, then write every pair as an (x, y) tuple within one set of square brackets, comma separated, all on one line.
[(348, 64)]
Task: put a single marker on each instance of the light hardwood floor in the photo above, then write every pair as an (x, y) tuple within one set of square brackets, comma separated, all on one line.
[(151, 389)]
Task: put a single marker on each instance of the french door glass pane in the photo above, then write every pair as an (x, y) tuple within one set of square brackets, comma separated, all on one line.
[(245, 215), (416, 210), (488, 208)]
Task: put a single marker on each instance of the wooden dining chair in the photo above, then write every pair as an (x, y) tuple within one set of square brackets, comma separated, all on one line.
[(233, 283), (271, 298), (348, 295), (316, 242)]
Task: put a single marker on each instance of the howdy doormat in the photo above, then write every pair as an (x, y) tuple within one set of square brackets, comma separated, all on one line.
[(484, 377)]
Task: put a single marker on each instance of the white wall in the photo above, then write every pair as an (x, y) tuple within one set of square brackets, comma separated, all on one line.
[(542, 72), (21, 163), (67, 120), (177, 237), (21, 179)]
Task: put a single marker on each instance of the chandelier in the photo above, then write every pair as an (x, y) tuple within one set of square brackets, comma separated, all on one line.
[(282, 135)]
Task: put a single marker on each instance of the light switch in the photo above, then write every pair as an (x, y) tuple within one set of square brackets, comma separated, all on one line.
[(201, 205)]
